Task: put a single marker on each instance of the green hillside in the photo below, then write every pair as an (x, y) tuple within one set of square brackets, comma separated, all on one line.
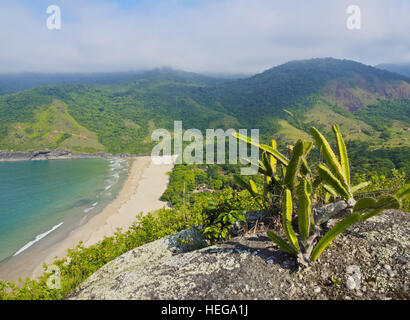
[(52, 128), (118, 113)]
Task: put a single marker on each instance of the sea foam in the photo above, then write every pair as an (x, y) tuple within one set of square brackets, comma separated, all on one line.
[(91, 208), (38, 238)]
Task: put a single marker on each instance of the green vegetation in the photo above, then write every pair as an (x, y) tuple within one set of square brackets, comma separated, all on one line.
[(52, 128), (380, 161), (218, 220), (381, 115), (182, 181), (381, 185), (289, 181), (298, 186), (120, 111), (186, 181)]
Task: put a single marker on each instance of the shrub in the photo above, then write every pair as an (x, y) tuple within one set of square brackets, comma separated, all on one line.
[(218, 220), (382, 185)]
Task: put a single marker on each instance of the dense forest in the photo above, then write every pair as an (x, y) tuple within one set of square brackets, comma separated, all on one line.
[(118, 112)]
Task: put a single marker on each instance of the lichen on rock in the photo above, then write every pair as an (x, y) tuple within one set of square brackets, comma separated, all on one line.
[(253, 267)]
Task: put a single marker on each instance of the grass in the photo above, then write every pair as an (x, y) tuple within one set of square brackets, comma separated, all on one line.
[(352, 129), (53, 128), (324, 114), (290, 133), (399, 136)]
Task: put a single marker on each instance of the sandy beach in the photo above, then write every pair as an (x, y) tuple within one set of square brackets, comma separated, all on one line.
[(140, 193)]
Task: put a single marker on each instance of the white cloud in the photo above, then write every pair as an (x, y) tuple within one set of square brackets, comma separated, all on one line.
[(216, 36)]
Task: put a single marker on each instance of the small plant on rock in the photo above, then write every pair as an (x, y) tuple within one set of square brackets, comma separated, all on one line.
[(301, 195), (218, 220)]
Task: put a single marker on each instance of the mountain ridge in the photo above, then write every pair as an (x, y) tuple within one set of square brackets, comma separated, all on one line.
[(316, 92), (10, 83), (403, 69)]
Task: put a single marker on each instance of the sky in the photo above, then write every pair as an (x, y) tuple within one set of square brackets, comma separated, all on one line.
[(217, 36)]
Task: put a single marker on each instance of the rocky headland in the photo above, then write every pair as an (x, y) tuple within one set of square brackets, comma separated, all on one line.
[(54, 155)]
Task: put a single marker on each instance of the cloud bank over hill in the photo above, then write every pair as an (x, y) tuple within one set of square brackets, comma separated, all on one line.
[(231, 36)]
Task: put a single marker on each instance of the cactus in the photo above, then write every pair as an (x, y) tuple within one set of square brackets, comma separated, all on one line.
[(304, 208), (281, 243), (332, 234), (344, 160), (336, 186), (329, 156), (287, 213), (272, 159), (294, 165), (297, 184)]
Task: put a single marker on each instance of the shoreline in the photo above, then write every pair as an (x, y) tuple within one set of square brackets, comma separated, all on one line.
[(6, 156), (140, 192)]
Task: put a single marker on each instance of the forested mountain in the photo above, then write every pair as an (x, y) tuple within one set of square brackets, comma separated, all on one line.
[(10, 83), (299, 86), (403, 69), (118, 112)]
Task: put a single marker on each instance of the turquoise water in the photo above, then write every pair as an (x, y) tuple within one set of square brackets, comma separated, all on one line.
[(40, 198)]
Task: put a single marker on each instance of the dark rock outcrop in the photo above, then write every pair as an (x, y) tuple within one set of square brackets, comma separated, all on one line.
[(53, 155), (371, 261)]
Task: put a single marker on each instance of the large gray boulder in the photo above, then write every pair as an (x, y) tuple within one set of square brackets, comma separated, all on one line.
[(371, 260)]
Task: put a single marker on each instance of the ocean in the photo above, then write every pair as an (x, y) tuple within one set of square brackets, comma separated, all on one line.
[(42, 200)]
